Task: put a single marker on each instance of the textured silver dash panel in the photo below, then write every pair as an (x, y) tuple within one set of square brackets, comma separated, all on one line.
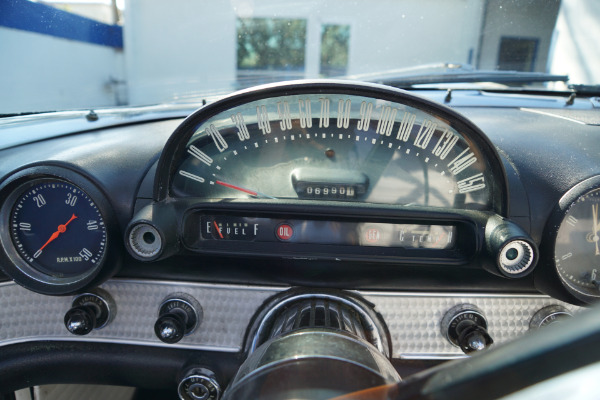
[(25, 315), (414, 319)]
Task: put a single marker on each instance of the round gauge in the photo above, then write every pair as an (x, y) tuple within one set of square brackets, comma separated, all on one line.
[(325, 142), (57, 229), (577, 246)]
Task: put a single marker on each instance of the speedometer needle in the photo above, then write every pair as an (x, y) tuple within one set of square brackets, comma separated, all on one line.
[(245, 190), (60, 229)]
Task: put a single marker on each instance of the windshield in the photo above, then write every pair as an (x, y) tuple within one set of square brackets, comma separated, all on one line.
[(82, 54)]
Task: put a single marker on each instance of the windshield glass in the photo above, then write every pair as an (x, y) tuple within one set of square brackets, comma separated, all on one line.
[(81, 54)]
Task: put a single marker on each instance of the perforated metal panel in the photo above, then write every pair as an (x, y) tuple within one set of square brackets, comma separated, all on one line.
[(413, 319), (25, 315)]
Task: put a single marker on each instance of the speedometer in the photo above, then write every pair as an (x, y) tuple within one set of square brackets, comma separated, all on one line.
[(334, 142)]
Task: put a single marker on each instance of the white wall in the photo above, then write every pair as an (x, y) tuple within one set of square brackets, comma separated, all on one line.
[(577, 41), (175, 49), (169, 52), (527, 19), (179, 49), (43, 73)]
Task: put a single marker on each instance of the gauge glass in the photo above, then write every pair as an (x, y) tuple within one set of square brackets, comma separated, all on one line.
[(577, 247), (57, 229), (334, 147)]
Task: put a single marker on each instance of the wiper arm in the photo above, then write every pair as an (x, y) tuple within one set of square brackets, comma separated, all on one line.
[(454, 73), (586, 90)]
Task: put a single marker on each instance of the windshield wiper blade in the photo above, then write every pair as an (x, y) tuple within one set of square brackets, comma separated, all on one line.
[(590, 90), (453, 73)]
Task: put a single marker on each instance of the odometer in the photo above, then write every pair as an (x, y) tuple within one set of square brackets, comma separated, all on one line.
[(332, 144)]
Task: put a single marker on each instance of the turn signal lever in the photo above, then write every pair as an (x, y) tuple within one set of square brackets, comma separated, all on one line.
[(465, 326)]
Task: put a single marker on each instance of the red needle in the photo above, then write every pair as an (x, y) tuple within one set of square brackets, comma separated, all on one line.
[(243, 189), (61, 229), (217, 228)]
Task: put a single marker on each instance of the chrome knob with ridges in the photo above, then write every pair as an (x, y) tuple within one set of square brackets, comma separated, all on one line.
[(549, 315)]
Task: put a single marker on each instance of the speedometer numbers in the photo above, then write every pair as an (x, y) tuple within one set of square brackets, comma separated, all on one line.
[(334, 146), (577, 246)]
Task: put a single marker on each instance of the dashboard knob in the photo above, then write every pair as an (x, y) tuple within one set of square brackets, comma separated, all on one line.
[(549, 315), (89, 311), (171, 327), (199, 384), (465, 326), (178, 315), (80, 320)]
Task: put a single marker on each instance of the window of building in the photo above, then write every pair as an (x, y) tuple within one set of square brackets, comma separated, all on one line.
[(334, 50), (517, 54), (270, 49)]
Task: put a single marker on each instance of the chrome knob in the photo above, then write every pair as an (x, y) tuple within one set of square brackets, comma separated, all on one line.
[(199, 384), (549, 315)]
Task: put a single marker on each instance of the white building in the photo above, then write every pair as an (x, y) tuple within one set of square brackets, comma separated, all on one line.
[(173, 50)]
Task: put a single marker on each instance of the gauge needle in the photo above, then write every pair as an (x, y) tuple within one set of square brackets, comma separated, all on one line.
[(217, 228), (595, 237), (245, 190), (61, 229)]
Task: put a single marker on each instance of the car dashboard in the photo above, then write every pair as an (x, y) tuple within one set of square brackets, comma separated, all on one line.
[(411, 208)]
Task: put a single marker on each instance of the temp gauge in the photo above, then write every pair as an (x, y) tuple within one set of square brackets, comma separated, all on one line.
[(577, 246), (58, 236)]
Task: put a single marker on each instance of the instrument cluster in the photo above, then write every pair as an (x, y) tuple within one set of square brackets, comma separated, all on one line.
[(325, 171)]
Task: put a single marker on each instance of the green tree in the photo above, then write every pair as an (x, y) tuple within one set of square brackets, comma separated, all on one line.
[(334, 49), (266, 43)]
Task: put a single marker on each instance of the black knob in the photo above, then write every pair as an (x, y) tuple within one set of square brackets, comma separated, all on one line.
[(465, 326), (472, 337), (80, 320), (89, 311), (178, 316), (170, 327)]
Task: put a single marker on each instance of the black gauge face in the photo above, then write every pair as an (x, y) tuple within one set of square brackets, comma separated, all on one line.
[(577, 247), (57, 229), (334, 147)]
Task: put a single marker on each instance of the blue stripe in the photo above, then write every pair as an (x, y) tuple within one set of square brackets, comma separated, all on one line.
[(40, 18)]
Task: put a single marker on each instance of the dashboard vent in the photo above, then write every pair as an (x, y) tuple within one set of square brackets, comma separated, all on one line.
[(318, 313)]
